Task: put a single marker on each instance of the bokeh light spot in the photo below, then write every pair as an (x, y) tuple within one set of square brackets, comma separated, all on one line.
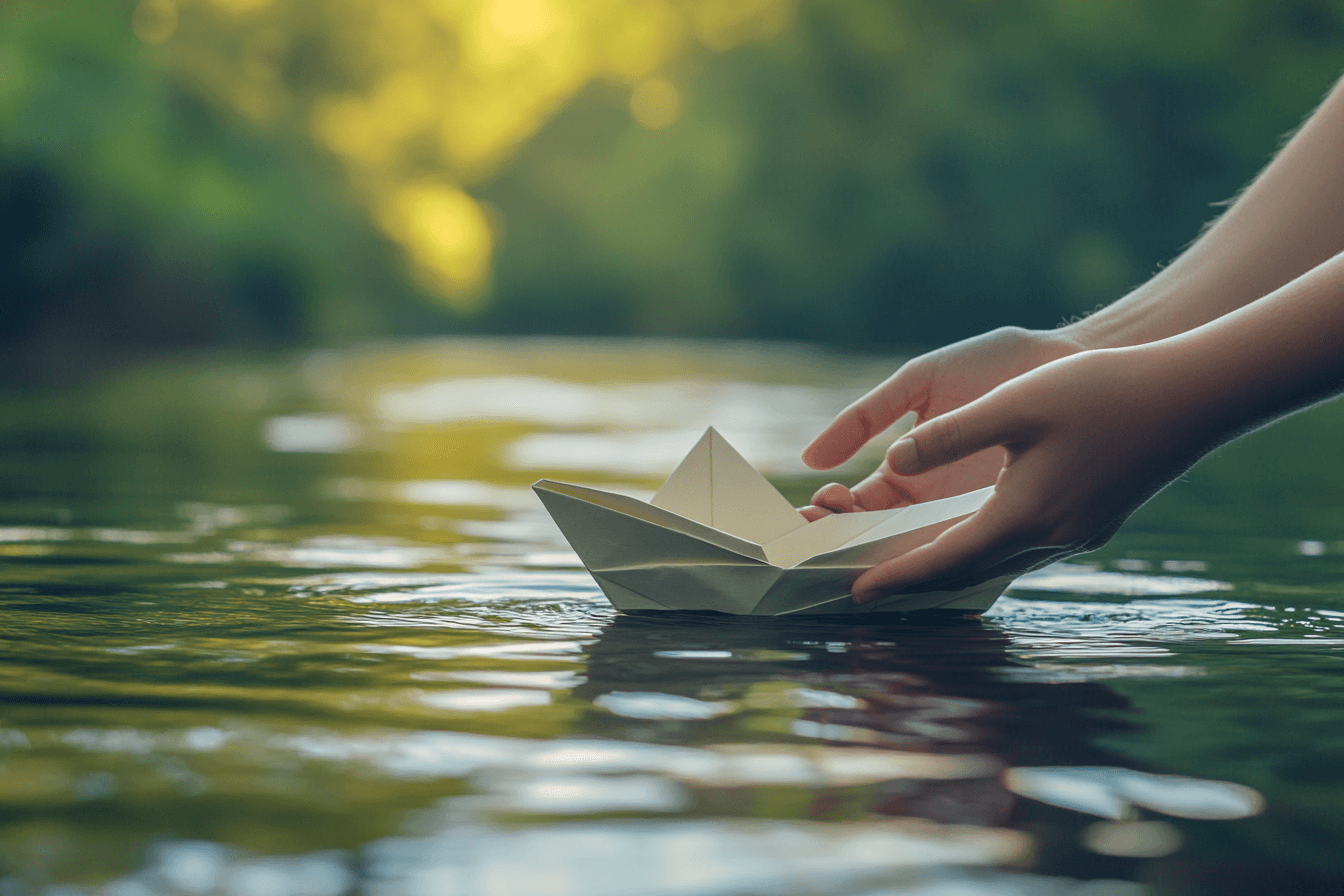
[(241, 6), (154, 21), (646, 36), (521, 22), (722, 26), (655, 103), (446, 234)]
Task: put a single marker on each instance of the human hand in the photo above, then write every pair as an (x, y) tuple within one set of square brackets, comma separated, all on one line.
[(930, 385), (1085, 440)]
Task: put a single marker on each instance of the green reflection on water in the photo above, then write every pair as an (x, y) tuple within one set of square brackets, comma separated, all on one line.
[(303, 604)]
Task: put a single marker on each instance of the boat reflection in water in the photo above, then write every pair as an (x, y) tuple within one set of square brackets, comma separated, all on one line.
[(918, 719)]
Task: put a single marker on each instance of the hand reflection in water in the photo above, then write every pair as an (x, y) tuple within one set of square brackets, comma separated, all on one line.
[(968, 736), (928, 685)]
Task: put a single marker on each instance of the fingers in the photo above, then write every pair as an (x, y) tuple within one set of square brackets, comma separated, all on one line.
[(877, 492), (880, 491), (982, 424), (857, 424), (829, 499), (974, 546)]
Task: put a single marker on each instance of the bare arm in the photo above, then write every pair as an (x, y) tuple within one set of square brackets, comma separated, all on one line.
[(1289, 220), (1090, 437)]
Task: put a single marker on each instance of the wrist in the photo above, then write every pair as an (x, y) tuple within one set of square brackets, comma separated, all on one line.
[(1127, 321), (1085, 333), (1188, 395), (1069, 339), (1177, 299)]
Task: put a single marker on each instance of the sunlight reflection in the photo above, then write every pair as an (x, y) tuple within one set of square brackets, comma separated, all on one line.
[(328, 551), (189, 867), (649, 425), (315, 433), (1078, 579), (691, 857), (583, 794), (465, 493), (458, 754), (136, 536), (1059, 673), (567, 403), (551, 681), (635, 705), (320, 674), (483, 700), (608, 858), (513, 650), (1133, 839), (1132, 630), (1110, 792)]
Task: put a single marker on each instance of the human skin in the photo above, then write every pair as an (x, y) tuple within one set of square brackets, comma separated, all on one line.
[(1079, 426)]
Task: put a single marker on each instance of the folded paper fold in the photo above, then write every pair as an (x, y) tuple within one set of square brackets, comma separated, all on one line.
[(719, 536)]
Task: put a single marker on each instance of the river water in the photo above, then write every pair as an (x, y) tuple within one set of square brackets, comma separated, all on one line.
[(297, 625)]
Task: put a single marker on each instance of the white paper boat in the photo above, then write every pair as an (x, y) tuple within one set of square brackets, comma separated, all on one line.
[(718, 536)]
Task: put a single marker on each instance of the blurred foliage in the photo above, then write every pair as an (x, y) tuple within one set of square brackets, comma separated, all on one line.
[(863, 172), (906, 172), (134, 215), (417, 98)]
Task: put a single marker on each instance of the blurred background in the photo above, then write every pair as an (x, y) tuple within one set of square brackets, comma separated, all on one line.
[(298, 298), (866, 174)]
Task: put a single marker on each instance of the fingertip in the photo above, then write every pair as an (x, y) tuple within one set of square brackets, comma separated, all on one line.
[(860, 591), (812, 457), (822, 456), (866, 594), (835, 497), (879, 581), (835, 444), (812, 513)]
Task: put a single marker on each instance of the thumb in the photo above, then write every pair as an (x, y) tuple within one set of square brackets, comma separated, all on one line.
[(982, 424)]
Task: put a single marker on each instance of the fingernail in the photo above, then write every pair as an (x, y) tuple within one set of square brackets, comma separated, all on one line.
[(902, 456)]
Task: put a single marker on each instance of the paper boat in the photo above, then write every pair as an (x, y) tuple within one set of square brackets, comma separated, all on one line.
[(718, 536)]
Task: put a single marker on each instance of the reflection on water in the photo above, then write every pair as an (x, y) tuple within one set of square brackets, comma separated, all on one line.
[(302, 629)]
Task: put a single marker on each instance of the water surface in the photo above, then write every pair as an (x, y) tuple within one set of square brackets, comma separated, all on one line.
[(297, 625)]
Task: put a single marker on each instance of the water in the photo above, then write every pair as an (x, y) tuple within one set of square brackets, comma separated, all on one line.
[(298, 626)]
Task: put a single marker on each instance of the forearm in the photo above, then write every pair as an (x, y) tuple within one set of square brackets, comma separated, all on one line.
[(1287, 222), (1260, 362)]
